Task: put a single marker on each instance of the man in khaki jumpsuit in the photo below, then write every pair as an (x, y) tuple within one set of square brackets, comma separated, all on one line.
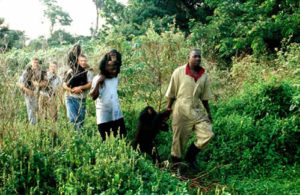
[(189, 86)]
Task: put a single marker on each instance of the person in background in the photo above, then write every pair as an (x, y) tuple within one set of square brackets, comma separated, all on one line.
[(77, 82), (49, 91), (32, 74)]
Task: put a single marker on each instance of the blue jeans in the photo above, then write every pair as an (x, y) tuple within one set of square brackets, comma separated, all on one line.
[(76, 110)]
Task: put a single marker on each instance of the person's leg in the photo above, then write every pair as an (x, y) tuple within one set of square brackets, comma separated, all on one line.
[(104, 129), (52, 108), (203, 132), (72, 108), (181, 134), (30, 105), (119, 127), (43, 104), (81, 112)]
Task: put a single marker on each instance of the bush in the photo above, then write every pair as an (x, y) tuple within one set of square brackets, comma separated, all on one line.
[(40, 161), (256, 129)]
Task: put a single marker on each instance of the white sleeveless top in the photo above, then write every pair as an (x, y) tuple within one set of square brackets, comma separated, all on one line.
[(107, 104)]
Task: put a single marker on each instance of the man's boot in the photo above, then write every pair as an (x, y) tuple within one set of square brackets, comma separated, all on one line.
[(176, 165), (176, 161), (191, 156)]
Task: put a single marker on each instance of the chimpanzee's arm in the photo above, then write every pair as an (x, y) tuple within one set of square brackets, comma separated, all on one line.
[(95, 93)]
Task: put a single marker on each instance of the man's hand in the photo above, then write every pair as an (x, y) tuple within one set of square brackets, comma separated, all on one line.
[(210, 118), (28, 91), (35, 83), (76, 90)]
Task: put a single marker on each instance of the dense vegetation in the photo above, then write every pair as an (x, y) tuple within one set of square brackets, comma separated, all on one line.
[(255, 108)]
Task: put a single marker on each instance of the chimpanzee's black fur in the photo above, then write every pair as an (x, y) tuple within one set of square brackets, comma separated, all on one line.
[(149, 125)]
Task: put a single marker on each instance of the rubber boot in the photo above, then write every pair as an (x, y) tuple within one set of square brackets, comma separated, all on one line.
[(191, 156)]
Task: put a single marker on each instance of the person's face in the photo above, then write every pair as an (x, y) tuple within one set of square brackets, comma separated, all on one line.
[(52, 68), (35, 64), (194, 58), (82, 61), (113, 56), (111, 69)]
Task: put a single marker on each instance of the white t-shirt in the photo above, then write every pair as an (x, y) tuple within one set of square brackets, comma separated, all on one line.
[(107, 104)]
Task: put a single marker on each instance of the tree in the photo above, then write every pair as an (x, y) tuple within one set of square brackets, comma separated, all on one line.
[(99, 6), (39, 43), (60, 37), (55, 14), (135, 18), (10, 38), (239, 27)]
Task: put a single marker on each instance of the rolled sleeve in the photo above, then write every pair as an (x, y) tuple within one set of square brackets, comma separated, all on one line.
[(171, 91)]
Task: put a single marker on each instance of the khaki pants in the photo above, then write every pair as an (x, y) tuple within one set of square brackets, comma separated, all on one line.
[(47, 106), (182, 131)]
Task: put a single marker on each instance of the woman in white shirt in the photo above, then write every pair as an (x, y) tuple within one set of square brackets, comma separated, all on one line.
[(104, 91)]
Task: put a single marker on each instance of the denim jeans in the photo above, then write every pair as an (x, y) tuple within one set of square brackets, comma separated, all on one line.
[(76, 110)]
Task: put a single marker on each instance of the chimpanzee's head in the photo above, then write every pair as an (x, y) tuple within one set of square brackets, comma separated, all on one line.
[(111, 60), (147, 115), (160, 120)]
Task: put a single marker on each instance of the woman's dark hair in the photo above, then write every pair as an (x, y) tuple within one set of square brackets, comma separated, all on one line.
[(107, 57), (73, 56)]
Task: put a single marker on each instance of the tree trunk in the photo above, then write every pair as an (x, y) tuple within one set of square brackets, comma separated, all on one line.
[(97, 24)]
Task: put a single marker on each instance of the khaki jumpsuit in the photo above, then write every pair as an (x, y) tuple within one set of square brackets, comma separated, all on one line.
[(188, 113)]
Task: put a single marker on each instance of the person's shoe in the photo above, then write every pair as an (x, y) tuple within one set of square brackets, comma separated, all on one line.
[(176, 164), (191, 156), (176, 161)]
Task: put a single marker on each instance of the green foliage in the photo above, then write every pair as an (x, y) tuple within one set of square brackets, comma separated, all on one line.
[(255, 150), (257, 130), (55, 14), (40, 161), (135, 18), (60, 37), (238, 27), (157, 56), (39, 43), (10, 38)]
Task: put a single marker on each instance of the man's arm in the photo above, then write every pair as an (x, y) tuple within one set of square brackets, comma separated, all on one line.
[(206, 106), (66, 87), (81, 88), (22, 86), (26, 90)]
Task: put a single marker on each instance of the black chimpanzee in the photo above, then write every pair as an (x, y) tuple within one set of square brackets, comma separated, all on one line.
[(149, 125)]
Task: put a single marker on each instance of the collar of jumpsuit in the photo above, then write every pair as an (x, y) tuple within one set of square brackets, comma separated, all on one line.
[(188, 72)]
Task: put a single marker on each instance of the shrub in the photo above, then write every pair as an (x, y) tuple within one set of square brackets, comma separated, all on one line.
[(257, 129)]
